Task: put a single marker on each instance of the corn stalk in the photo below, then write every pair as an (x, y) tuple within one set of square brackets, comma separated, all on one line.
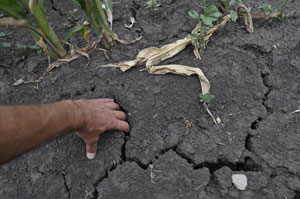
[(40, 28), (95, 14)]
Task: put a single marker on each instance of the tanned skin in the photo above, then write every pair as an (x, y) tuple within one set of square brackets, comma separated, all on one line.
[(24, 127)]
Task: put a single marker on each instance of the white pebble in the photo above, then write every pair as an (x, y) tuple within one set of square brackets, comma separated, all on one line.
[(239, 181)]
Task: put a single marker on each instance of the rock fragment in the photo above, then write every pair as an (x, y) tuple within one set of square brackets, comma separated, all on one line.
[(239, 181)]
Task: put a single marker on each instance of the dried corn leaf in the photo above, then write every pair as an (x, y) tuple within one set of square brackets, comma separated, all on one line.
[(242, 10), (74, 54), (128, 42), (168, 51), (55, 64), (142, 58), (31, 4), (262, 15), (182, 70), (211, 31), (152, 55)]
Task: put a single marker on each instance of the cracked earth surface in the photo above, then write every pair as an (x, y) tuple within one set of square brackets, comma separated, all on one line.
[(255, 81)]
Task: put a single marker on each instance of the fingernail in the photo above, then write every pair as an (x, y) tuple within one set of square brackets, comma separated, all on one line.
[(90, 155)]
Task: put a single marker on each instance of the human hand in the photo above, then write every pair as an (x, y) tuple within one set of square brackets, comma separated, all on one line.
[(99, 116)]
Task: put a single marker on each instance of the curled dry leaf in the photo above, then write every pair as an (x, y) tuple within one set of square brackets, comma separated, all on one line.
[(53, 65), (85, 54), (167, 51), (243, 11), (211, 31), (297, 111), (182, 70), (42, 44), (132, 22), (152, 55), (31, 5), (128, 42), (74, 54)]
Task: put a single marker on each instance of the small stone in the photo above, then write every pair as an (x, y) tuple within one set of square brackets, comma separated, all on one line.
[(239, 181)]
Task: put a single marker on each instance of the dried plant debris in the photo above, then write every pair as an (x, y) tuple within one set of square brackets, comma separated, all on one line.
[(242, 10), (296, 111), (132, 22), (152, 56)]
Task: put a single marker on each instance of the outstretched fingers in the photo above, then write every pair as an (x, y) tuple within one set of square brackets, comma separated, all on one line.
[(120, 115), (105, 100), (112, 105), (121, 126)]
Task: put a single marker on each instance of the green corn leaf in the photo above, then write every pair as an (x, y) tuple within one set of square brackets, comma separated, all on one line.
[(36, 32), (77, 3), (39, 14), (100, 17), (95, 14), (108, 5), (13, 9), (97, 11), (24, 23), (73, 30), (87, 6), (85, 33)]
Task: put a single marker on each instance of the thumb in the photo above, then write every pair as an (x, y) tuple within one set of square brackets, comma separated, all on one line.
[(91, 149)]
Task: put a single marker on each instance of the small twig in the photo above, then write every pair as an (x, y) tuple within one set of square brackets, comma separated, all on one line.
[(198, 187), (297, 111), (210, 113)]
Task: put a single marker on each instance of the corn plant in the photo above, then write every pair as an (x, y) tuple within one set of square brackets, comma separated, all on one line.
[(37, 23), (153, 5), (97, 18)]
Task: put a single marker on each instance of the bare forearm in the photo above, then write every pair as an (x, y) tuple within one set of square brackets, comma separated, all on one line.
[(24, 127)]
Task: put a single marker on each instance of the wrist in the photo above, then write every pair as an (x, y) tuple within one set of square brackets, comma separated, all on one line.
[(75, 114)]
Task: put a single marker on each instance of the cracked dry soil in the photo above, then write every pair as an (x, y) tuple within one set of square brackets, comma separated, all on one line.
[(255, 81)]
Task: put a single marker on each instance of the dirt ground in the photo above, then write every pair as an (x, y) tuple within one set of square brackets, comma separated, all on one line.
[(255, 80)]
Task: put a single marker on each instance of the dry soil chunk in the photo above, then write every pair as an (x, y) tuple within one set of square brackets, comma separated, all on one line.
[(170, 176)]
